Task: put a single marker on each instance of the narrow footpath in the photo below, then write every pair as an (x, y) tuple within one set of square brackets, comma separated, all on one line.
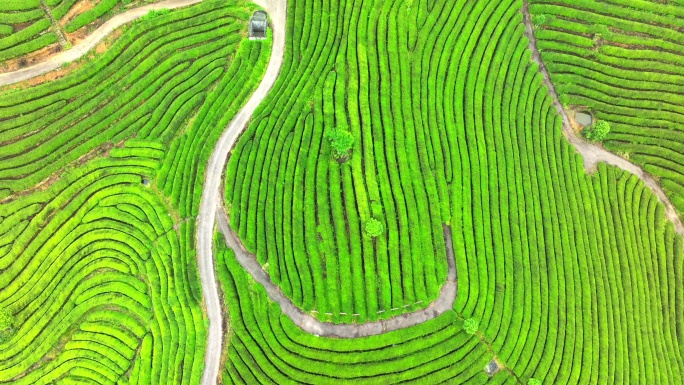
[(592, 153), (55, 25)]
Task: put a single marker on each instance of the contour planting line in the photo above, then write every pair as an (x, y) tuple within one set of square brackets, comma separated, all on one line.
[(311, 325), (80, 49), (592, 153), (211, 196)]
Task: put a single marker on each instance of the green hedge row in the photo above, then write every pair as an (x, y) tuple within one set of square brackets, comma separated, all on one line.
[(90, 15), (99, 269), (265, 347), (303, 214)]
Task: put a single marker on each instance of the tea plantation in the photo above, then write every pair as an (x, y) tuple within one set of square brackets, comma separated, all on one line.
[(573, 278), (389, 122), (626, 65), (101, 176), (27, 26)]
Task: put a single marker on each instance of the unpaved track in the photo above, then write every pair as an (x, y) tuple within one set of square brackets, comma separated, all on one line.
[(212, 197), (309, 324), (79, 50), (592, 153)]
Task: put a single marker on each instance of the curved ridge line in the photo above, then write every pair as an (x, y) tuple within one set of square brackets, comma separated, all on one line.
[(80, 49), (206, 219), (591, 153), (311, 325)]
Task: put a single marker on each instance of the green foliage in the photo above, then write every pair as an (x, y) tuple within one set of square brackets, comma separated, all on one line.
[(373, 228), (598, 131), (471, 325), (102, 268), (341, 142), (534, 381), (90, 15), (155, 13), (29, 39), (6, 325), (539, 20)]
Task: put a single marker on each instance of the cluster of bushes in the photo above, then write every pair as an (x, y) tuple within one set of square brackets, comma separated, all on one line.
[(597, 132), (341, 142)]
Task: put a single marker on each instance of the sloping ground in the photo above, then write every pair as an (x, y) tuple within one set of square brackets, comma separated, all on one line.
[(97, 267), (266, 347), (573, 278), (24, 28), (623, 59), (444, 303), (27, 26)]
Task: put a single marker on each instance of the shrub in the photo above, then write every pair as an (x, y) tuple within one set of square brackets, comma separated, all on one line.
[(598, 131), (373, 227), (539, 20), (534, 381), (341, 141), (471, 325), (6, 325)]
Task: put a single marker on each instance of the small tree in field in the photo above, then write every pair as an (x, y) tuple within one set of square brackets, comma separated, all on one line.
[(373, 228), (471, 325), (598, 131), (341, 142), (538, 20)]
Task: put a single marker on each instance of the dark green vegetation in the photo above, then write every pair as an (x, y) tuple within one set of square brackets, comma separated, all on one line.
[(623, 59), (572, 278), (98, 269)]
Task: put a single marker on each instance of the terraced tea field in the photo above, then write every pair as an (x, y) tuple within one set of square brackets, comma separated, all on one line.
[(398, 193), (567, 273), (101, 176), (31, 30), (625, 66)]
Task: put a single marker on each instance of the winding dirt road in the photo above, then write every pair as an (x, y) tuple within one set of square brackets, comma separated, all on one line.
[(309, 324), (212, 197), (592, 153), (80, 49)]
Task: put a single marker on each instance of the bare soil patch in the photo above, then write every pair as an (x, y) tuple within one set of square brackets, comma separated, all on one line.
[(30, 59)]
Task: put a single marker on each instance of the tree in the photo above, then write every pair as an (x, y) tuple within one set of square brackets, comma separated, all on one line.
[(598, 131), (373, 228), (471, 325), (341, 142)]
